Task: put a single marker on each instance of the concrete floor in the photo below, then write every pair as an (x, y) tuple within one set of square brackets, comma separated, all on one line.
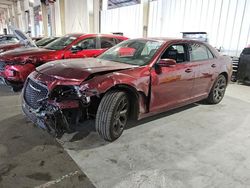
[(29, 157), (195, 146)]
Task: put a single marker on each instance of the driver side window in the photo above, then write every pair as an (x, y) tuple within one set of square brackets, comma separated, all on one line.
[(87, 44), (176, 52)]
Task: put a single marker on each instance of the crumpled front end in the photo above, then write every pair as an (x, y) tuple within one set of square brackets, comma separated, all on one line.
[(2, 68), (58, 110), (14, 74)]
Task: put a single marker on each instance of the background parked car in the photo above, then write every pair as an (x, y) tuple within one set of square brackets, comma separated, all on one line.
[(23, 41), (17, 64), (6, 39), (243, 73), (45, 41)]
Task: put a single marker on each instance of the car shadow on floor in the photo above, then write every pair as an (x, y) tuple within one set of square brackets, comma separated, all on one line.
[(86, 136), (7, 91), (161, 115)]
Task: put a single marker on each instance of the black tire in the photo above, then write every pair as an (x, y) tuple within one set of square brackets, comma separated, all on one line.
[(246, 81), (17, 88), (218, 90), (112, 115)]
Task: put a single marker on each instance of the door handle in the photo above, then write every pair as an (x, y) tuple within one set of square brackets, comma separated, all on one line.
[(188, 70), (213, 65)]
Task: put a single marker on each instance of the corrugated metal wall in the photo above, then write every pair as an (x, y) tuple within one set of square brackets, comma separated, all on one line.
[(126, 19), (227, 22), (76, 16)]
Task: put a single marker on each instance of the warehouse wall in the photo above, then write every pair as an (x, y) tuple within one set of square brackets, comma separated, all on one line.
[(227, 22), (126, 19), (76, 16)]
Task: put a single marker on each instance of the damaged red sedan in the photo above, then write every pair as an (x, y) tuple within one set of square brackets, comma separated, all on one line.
[(16, 65), (135, 79)]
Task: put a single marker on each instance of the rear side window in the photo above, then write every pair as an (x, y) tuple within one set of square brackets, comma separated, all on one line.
[(199, 52), (107, 42)]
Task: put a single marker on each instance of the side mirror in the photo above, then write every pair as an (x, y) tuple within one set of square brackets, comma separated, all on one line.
[(166, 63), (75, 49)]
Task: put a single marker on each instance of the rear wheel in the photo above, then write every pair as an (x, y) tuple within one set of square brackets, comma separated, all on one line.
[(218, 90), (112, 115)]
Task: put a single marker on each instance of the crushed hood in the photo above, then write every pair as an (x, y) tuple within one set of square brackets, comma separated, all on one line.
[(9, 46), (22, 52), (80, 69), (27, 51)]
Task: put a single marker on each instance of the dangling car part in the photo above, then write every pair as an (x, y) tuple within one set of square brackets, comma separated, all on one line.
[(135, 79)]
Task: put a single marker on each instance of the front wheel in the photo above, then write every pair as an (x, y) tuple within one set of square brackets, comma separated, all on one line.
[(218, 90), (112, 115)]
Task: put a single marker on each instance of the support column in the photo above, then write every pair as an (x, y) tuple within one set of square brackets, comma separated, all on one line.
[(21, 15), (53, 19), (62, 15), (10, 16), (45, 19), (145, 17), (6, 20), (96, 14), (32, 21), (14, 13)]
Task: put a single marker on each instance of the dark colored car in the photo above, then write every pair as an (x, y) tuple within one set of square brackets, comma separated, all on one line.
[(45, 41), (243, 73), (16, 65), (6, 39), (135, 79)]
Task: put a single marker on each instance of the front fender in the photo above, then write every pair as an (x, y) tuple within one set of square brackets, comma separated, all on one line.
[(101, 84)]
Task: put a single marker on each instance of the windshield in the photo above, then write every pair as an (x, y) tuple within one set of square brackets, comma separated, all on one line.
[(60, 43), (45, 41), (134, 52)]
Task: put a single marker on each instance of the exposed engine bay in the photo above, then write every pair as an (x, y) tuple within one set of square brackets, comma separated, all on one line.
[(59, 111)]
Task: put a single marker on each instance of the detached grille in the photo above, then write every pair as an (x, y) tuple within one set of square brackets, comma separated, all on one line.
[(34, 92), (2, 66)]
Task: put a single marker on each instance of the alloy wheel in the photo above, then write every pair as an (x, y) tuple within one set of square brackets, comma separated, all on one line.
[(219, 89), (121, 116)]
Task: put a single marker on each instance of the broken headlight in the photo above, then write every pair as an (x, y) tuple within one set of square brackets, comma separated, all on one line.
[(64, 93), (68, 93)]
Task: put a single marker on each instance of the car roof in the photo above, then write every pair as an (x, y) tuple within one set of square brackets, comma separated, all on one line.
[(75, 34), (167, 39), (94, 35)]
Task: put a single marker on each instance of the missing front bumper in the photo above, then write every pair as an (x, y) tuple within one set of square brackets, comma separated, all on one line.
[(52, 119)]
